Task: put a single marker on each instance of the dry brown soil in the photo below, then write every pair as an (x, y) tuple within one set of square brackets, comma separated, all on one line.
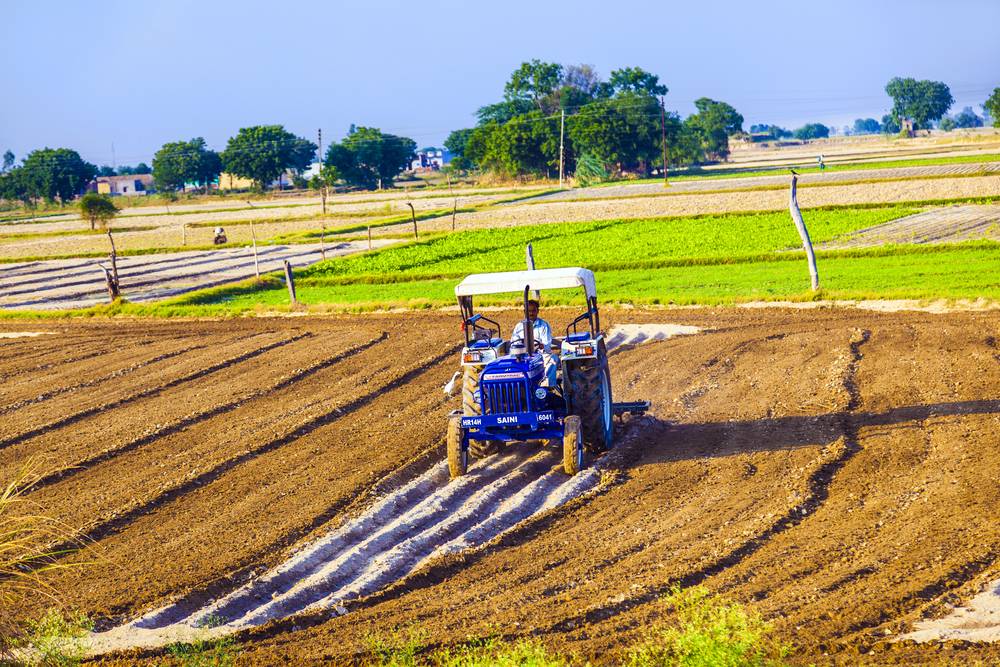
[(835, 469)]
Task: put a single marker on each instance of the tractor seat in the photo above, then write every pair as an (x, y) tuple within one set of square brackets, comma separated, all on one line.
[(483, 344)]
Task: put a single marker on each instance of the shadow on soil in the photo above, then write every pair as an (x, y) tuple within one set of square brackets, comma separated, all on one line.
[(720, 439)]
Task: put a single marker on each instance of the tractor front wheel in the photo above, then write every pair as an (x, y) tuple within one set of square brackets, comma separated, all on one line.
[(573, 451), (458, 460), (590, 398)]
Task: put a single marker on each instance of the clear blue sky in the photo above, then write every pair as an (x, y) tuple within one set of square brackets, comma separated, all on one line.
[(139, 74)]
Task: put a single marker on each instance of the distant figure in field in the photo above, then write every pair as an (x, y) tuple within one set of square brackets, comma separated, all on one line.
[(822, 165), (220, 236)]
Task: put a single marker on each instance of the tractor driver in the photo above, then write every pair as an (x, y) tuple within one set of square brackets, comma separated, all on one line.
[(542, 333), (541, 329)]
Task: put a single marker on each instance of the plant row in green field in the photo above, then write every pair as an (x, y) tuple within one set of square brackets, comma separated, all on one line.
[(603, 243)]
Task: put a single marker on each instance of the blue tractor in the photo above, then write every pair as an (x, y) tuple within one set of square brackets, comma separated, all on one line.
[(517, 392)]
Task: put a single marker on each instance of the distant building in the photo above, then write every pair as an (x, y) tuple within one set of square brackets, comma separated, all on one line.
[(127, 186), (233, 182), (430, 159)]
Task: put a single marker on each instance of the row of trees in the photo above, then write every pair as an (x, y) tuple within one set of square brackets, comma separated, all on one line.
[(52, 174), (619, 124), (925, 103), (366, 158)]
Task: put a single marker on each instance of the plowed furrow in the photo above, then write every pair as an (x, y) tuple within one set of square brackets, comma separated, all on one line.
[(113, 526), (197, 417), (32, 357), (819, 483), (121, 372), (146, 393), (67, 355)]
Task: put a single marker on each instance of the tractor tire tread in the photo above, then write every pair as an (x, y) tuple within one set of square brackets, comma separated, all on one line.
[(585, 389)]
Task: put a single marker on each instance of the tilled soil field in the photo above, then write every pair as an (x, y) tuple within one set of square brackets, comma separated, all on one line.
[(832, 468), (80, 283)]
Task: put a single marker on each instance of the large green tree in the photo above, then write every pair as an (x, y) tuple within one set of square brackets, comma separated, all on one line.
[(967, 118), (263, 152), (867, 126), (535, 82), (992, 105), (369, 158), (635, 80), (57, 173), (8, 160), (812, 131), (456, 143), (181, 162), (623, 132), (14, 186), (715, 122), (921, 101)]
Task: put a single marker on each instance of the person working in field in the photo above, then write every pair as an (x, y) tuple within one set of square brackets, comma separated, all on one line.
[(540, 328), (542, 333)]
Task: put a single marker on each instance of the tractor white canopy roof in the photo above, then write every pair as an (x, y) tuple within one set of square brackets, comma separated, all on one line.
[(540, 279)]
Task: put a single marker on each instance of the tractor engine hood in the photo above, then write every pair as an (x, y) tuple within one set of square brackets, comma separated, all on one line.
[(511, 367)]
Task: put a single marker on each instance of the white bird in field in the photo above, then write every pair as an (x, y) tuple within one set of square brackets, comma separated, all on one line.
[(449, 388)]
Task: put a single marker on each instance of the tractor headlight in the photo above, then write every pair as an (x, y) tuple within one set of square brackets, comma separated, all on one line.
[(540, 393), (472, 357), (584, 350)]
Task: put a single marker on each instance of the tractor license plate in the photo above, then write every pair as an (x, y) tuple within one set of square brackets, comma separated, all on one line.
[(532, 419)]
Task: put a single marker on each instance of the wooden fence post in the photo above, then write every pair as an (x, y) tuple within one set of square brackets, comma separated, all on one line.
[(369, 237), (290, 281), (114, 286), (454, 210), (800, 224), (109, 282), (256, 261), (413, 214)]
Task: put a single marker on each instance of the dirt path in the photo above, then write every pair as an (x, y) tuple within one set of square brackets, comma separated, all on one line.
[(832, 468)]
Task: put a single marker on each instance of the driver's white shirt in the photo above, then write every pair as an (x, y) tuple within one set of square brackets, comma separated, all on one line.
[(541, 330)]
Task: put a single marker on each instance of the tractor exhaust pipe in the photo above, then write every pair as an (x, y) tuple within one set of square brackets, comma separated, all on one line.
[(529, 329)]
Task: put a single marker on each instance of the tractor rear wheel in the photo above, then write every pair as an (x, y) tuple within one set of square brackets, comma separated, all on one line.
[(590, 398), (471, 408), (458, 461), (573, 450)]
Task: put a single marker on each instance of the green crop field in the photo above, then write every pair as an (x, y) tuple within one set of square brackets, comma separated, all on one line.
[(717, 259), (708, 259)]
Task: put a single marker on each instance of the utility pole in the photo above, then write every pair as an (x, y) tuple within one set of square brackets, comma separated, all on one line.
[(322, 191), (562, 145), (663, 131)]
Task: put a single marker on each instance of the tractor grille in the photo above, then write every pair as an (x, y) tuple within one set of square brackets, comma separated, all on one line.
[(504, 397)]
